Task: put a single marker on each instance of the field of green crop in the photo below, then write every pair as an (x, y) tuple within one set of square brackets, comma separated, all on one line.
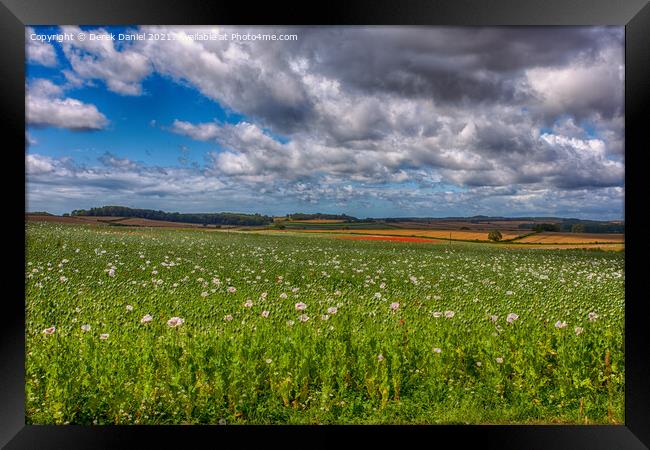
[(143, 326)]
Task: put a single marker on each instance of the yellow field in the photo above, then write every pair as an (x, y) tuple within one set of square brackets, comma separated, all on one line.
[(566, 238), (466, 235), (545, 239), (609, 247)]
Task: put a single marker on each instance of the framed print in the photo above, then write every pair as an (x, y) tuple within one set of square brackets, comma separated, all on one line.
[(377, 220)]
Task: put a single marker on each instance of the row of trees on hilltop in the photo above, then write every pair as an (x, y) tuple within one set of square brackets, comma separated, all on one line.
[(321, 216), (200, 218), (576, 226)]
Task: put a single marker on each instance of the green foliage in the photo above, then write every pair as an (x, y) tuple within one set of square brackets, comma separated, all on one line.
[(589, 226), (200, 218), (255, 369), (320, 216), (578, 228), (539, 227), (495, 235)]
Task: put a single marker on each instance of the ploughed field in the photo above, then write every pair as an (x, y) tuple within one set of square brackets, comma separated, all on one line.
[(167, 326)]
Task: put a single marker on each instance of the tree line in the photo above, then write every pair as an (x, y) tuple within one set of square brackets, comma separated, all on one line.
[(321, 216), (576, 226), (224, 218)]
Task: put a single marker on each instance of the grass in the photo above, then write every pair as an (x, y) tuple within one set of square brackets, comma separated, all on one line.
[(279, 369)]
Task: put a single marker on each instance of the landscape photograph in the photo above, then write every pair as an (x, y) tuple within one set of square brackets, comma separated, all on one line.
[(392, 225)]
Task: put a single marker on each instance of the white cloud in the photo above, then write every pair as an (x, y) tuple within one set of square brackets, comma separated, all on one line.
[(38, 164), (39, 52), (29, 139), (121, 70), (372, 106), (46, 106), (582, 87)]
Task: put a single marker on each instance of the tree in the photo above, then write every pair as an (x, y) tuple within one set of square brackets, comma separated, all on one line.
[(546, 227), (495, 235), (578, 228)]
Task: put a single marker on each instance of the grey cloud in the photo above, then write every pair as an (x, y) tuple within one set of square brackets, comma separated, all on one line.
[(111, 160), (379, 105)]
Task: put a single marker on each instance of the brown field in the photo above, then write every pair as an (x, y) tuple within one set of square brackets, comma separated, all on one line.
[(138, 222), (317, 221), (465, 235), (548, 240), (61, 219), (572, 238), (389, 238), (102, 220), (379, 235), (512, 225), (608, 247)]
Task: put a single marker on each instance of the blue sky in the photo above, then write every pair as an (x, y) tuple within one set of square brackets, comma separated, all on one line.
[(381, 121)]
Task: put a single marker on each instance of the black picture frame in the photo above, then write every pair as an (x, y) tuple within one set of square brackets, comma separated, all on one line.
[(633, 14)]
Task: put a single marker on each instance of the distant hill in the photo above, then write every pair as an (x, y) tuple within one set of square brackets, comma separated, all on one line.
[(224, 218), (322, 220), (525, 223), (320, 216)]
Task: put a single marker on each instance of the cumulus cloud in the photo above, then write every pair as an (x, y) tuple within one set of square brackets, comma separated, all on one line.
[(363, 114), (37, 164), (39, 52), (58, 183), (121, 70), (111, 160), (46, 106), (117, 177), (582, 87)]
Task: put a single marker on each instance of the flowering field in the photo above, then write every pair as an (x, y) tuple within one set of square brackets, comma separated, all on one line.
[(181, 326)]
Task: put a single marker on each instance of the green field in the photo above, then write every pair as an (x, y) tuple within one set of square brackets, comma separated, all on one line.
[(366, 363)]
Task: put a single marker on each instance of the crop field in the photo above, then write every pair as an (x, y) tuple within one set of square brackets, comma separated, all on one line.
[(181, 326), (317, 221), (573, 238), (468, 235)]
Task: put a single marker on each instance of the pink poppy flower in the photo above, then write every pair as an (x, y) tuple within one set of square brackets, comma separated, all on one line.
[(146, 318), (175, 322)]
